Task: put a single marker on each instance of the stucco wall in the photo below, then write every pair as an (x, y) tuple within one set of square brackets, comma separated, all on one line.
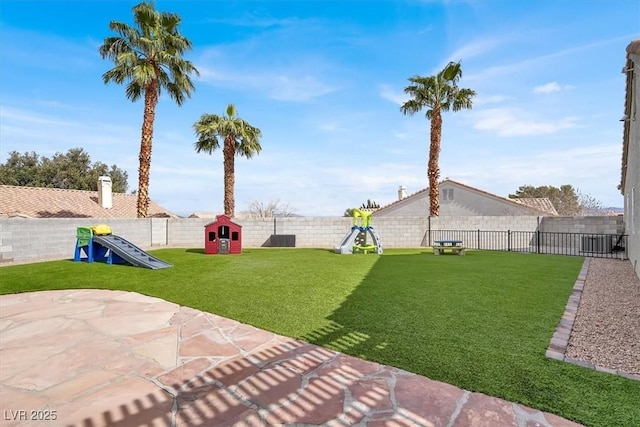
[(632, 181), (465, 202), (415, 206), (468, 202)]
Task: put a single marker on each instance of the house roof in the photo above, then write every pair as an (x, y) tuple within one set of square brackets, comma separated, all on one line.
[(537, 209), (632, 49), (204, 215), (38, 202), (540, 203), (410, 196)]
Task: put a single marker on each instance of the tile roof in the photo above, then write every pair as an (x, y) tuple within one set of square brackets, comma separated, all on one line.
[(540, 203), (37, 202), (395, 202), (205, 214)]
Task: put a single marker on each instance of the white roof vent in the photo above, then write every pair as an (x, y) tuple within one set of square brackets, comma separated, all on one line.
[(402, 192), (105, 197)]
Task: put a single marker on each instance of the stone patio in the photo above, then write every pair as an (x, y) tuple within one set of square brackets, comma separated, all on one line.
[(109, 358)]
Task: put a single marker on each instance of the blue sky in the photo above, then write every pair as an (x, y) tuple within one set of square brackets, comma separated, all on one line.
[(324, 81)]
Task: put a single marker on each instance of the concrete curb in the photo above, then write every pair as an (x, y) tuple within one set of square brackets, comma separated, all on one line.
[(557, 348)]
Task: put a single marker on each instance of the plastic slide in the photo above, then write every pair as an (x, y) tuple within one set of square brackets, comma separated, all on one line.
[(346, 247), (130, 252)]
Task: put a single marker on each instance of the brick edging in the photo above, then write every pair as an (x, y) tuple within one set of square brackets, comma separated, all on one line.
[(560, 341)]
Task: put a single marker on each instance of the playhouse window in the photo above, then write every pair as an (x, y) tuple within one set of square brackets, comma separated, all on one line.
[(212, 236), (234, 235), (223, 231)]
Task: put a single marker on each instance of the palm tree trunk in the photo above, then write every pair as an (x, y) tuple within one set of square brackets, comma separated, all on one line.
[(150, 101), (434, 166), (228, 154)]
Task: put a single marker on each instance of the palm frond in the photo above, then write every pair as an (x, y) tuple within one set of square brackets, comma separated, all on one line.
[(212, 130), (150, 51)]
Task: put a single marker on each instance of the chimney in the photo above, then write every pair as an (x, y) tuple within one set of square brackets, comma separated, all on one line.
[(105, 199), (402, 192)]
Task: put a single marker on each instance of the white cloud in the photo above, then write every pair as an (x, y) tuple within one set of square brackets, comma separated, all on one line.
[(551, 87), (493, 99), (513, 66), (329, 127), (27, 128), (292, 85), (259, 20), (390, 94), (296, 87), (475, 48), (511, 122), (548, 88), (591, 168)]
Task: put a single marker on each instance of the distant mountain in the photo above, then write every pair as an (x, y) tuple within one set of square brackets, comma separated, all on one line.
[(614, 210)]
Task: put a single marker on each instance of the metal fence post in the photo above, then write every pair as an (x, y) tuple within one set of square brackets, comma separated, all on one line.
[(509, 240), (538, 240), (478, 238)]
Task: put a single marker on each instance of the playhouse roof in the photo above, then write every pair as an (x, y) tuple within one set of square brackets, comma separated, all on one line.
[(223, 218)]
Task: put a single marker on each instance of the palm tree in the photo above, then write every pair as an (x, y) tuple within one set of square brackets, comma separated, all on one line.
[(437, 93), (149, 57), (238, 138)]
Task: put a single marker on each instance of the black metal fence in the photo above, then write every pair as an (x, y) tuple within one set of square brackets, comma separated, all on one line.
[(541, 242)]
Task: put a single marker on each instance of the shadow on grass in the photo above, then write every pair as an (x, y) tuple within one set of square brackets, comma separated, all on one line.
[(402, 315), (196, 251), (102, 262), (398, 310), (481, 322)]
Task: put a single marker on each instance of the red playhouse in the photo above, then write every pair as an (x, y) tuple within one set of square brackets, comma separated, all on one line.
[(222, 236)]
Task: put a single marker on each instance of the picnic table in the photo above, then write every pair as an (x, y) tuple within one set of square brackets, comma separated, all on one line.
[(455, 246)]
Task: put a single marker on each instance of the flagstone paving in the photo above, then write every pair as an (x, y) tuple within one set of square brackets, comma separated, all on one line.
[(111, 358)]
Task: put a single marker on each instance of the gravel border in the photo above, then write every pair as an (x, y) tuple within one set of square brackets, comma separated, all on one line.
[(600, 328)]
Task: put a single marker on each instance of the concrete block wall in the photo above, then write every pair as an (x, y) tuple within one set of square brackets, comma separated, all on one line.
[(189, 232), (186, 232), (137, 231), (583, 224), (256, 231), (313, 232), (32, 239), (55, 238), (159, 232), (489, 223), (571, 232), (327, 232), (401, 232)]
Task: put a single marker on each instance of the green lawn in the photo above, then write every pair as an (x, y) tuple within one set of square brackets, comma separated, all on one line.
[(481, 321)]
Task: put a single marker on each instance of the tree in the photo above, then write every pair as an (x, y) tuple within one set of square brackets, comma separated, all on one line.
[(589, 205), (23, 170), (274, 208), (564, 199), (149, 57), (238, 138), (437, 93), (370, 205), (72, 170)]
